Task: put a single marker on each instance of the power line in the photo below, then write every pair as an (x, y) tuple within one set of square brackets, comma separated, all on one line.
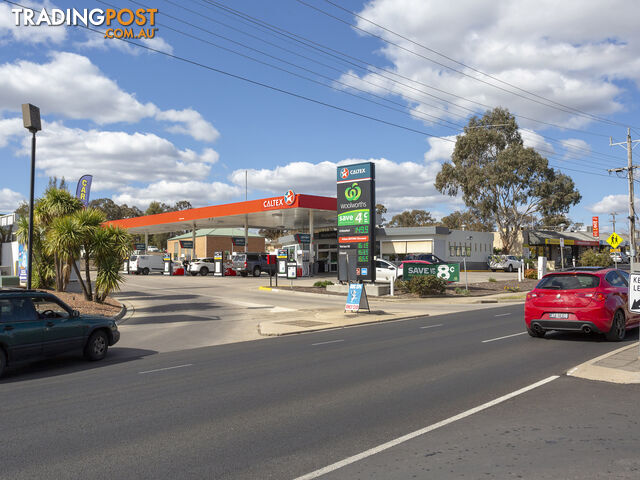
[(552, 103), (321, 48)]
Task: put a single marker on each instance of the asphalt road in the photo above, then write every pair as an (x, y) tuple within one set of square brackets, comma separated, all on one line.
[(285, 407)]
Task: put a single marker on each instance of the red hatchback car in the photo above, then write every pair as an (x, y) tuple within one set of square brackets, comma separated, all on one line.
[(581, 300)]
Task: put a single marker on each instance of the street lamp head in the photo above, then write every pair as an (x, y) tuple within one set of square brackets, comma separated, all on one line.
[(31, 117)]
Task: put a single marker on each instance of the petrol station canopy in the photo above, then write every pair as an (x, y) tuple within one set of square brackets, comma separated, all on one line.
[(291, 211)]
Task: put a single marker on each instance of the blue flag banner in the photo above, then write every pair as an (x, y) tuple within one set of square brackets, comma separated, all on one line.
[(83, 188)]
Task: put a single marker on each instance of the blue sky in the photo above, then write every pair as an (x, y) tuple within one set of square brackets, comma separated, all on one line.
[(151, 127)]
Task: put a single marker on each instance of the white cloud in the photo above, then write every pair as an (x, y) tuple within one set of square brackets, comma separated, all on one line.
[(399, 186), (99, 42), (189, 122), (611, 203), (537, 142), (157, 43), (116, 159), (10, 127), (27, 34), (519, 42), (574, 147), (55, 87), (198, 193), (9, 200), (440, 150)]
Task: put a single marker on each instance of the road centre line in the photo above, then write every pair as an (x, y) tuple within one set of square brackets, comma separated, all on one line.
[(503, 315), (422, 431), (506, 336), (325, 343), (167, 368), (433, 326)]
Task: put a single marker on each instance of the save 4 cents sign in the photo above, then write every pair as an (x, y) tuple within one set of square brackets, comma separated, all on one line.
[(447, 271)]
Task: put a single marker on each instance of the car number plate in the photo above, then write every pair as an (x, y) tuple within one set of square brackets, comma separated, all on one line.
[(558, 315)]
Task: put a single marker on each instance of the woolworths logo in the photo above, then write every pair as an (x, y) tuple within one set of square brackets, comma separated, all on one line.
[(353, 192)]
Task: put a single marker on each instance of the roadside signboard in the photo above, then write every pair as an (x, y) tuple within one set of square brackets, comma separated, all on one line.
[(302, 237), (282, 262), (448, 271), (292, 270), (356, 218), (356, 298), (634, 292), (614, 240), (595, 226), (186, 243), (238, 241), (141, 246)]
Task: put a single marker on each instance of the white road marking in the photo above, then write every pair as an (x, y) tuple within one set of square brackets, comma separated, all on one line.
[(506, 336), (422, 431), (167, 368), (324, 343), (432, 326), (503, 315)]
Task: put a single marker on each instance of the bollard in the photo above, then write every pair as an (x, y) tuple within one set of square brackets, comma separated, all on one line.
[(393, 281)]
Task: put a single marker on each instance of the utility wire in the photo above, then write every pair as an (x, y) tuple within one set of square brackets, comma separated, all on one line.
[(337, 54), (561, 107)]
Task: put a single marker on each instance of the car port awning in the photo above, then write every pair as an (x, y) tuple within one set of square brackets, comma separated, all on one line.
[(291, 211)]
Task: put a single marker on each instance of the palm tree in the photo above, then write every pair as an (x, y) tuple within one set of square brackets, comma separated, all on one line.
[(56, 203), (110, 246), (88, 221), (65, 239)]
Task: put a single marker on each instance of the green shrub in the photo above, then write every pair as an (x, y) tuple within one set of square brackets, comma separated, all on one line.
[(461, 291), (401, 285), (323, 283), (592, 258), (531, 273), (427, 285), (511, 289), (491, 279)]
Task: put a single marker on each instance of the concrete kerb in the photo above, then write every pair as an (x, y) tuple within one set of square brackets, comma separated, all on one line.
[(592, 371), (337, 320), (127, 311)]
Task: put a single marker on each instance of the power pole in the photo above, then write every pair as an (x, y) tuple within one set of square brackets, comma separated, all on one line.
[(629, 145)]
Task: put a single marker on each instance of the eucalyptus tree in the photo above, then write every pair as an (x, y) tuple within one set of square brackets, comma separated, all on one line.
[(501, 179)]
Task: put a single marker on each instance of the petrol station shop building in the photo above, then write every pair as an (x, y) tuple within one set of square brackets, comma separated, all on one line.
[(314, 217)]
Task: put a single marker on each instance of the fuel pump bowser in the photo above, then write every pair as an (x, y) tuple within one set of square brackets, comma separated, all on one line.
[(218, 269)]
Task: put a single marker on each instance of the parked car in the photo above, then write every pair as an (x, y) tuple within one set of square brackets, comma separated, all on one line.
[(508, 263), (581, 300), (385, 271), (35, 324), (202, 266), (145, 264), (152, 249), (254, 263), (429, 257), (620, 257)]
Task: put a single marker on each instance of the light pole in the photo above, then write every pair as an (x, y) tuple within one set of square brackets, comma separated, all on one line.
[(31, 121)]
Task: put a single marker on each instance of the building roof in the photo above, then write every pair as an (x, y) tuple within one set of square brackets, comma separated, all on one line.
[(291, 211), (216, 232), (542, 237)]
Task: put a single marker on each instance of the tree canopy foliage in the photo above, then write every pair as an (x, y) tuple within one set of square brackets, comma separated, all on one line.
[(413, 218), (467, 219), (501, 179)]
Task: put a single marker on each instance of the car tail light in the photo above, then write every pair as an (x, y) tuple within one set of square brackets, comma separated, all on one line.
[(531, 295), (245, 264), (598, 296)]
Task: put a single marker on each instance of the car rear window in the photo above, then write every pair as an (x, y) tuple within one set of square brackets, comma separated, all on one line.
[(568, 282), (240, 257), (133, 258), (253, 257)]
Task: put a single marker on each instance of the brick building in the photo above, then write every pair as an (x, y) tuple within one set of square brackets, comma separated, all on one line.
[(210, 240)]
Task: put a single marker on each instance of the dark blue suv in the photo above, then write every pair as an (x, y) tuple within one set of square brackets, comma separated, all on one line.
[(35, 325)]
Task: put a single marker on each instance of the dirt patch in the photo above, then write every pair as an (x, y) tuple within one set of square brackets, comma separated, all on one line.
[(76, 301)]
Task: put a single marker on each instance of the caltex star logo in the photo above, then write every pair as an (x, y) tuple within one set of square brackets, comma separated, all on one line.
[(289, 197), (344, 173)]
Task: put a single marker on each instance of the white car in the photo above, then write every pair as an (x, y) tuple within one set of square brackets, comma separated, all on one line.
[(385, 271), (508, 263), (202, 266), (620, 257)]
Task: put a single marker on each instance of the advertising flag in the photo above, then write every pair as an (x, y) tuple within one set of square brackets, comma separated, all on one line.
[(83, 188), (595, 224)]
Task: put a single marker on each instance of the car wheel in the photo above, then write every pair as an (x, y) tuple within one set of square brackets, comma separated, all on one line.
[(97, 346), (535, 333), (193, 274), (510, 268), (618, 329), (204, 271), (3, 361), (256, 272), (145, 271)]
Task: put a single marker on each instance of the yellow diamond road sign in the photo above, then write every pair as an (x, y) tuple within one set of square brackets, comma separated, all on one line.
[(614, 240)]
